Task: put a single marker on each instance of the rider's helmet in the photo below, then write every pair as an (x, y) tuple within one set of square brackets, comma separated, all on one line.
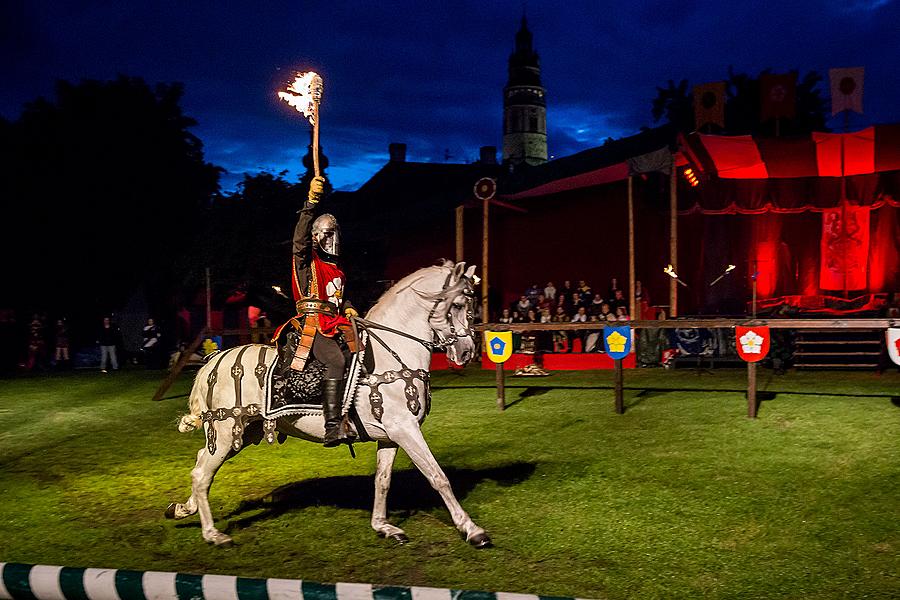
[(326, 234)]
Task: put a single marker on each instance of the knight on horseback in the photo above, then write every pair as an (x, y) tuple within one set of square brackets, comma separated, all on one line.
[(321, 323)]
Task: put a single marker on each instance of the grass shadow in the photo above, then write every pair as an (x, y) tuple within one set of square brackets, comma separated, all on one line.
[(529, 392), (410, 492)]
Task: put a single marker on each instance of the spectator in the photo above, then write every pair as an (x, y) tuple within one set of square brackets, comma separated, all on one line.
[(621, 314), (566, 291), (506, 316), (592, 339), (580, 317), (36, 343), (604, 311), (584, 291), (109, 337), (523, 305), (542, 303), (532, 293), (611, 317), (618, 299), (546, 317), (560, 338), (151, 346), (550, 291), (596, 304), (576, 302), (62, 343)]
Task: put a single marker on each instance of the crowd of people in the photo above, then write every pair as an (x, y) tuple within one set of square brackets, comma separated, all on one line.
[(50, 347), (571, 304)]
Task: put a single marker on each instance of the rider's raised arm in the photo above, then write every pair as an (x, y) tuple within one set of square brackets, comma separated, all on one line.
[(302, 244)]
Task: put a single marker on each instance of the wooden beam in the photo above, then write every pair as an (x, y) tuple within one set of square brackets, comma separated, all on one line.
[(485, 239), (631, 285), (460, 230), (673, 239), (702, 323), (182, 361)]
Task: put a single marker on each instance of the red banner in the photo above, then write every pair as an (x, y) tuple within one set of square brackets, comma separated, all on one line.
[(778, 95), (752, 342), (845, 248)]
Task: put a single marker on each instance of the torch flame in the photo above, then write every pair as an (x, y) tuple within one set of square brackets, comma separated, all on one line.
[(304, 94)]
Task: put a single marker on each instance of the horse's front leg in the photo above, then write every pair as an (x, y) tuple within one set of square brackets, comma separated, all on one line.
[(409, 437), (385, 465)]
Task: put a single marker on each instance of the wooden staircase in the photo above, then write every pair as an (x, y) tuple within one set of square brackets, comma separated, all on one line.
[(837, 349)]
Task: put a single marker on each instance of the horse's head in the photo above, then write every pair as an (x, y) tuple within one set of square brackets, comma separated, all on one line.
[(452, 317)]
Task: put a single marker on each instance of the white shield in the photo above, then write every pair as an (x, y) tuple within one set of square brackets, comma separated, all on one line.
[(893, 343)]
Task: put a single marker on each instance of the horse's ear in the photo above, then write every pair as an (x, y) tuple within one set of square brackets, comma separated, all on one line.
[(470, 272), (458, 270)]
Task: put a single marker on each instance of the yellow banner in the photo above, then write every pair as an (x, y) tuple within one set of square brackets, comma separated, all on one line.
[(498, 345)]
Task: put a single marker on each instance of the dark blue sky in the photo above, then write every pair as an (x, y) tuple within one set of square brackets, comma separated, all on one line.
[(430, 74)]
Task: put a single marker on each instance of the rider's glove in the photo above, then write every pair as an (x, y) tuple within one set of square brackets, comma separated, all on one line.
[(350, 313), (316, 189)]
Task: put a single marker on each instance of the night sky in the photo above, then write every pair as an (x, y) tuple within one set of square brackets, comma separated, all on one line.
[(430, 74)]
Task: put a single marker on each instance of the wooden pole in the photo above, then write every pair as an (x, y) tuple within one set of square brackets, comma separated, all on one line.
[(844, 257), (485, 239), (316, 92), (186, 355), (751, 390), (619, 387), (673, 239), (460, 231), (631, 285), (501, 387)]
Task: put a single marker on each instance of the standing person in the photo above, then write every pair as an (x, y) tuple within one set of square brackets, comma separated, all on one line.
[(109, 337), (618, 300), (36, 343), (580, 317), (62, 343), (322, 312), (151, 345)]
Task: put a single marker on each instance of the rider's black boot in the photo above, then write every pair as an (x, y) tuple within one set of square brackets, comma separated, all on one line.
[(332, 403)]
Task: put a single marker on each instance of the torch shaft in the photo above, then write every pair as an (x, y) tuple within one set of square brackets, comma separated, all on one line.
[(315, 143)]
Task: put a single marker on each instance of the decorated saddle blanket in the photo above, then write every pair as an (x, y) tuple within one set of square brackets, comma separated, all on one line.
[(298, 393)]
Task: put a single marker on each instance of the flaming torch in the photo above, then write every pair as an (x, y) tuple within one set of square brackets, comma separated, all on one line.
[(305, 95), (670, 271)]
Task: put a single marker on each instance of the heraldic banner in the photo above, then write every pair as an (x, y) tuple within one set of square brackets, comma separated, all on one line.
[(617, 341), (752, 342), (498, 345), (893, 343), (845, 248)]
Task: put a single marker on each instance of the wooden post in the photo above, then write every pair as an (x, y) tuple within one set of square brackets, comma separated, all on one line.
[(631, 286), (501, 387), (460, 224), (673, 238), (485, 239), (182, 361), (751, 390), (619, 387)]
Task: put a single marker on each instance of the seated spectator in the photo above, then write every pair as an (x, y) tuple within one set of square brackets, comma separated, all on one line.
[(545, 316), (595, 305), (505, 316), (618, 300), (517, 317), (621, 314), (576, 302), (560, 338), (532, 293), (584, 291), (542, 303), (604, 311), (523, 306), (580, 317), (592, 339), (550, 291), (566, 291), (611, 318)]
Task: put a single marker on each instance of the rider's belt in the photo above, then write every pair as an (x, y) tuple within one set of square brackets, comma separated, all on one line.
[(307, 335), (312, 306)]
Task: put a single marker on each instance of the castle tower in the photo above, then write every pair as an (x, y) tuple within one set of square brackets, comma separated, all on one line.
[(524, 106)]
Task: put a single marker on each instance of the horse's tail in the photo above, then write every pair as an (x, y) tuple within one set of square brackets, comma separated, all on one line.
[(197, 405)]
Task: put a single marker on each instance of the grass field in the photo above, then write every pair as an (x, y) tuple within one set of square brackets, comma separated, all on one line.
[(681, 497)]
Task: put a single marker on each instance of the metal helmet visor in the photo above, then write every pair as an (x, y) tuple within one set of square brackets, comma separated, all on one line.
[(327, 235)]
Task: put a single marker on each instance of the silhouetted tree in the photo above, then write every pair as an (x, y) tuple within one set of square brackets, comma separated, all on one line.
[(104, 185)]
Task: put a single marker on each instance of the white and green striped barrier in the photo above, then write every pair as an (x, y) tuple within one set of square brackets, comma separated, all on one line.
[(67, 583)]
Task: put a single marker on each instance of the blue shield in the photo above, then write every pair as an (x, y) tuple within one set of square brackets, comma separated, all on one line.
[(617, 341)]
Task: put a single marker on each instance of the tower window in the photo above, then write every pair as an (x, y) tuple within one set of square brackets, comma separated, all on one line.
[(532, 123)]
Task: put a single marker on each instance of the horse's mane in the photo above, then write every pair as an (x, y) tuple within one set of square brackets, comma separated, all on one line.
[(444, 267)]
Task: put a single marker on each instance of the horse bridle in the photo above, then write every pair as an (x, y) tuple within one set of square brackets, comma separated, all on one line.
[(442, 342), (469, 293)]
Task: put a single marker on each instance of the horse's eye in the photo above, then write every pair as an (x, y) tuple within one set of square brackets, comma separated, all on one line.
[(458, 305)]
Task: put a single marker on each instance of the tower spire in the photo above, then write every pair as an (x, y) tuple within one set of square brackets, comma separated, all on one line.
[(524, 105)]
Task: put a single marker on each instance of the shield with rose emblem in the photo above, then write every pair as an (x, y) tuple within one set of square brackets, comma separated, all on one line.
[(752, 342)]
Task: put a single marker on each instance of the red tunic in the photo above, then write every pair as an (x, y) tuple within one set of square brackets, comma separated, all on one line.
[(326, 284)]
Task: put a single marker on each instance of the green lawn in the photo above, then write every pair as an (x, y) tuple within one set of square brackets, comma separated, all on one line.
[(681, 497)]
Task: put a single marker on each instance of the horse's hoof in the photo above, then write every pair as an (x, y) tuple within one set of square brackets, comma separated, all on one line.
[(400, 538), (221, 540), (170, 511), (481, 540)]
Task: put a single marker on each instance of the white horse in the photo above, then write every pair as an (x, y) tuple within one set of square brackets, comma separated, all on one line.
[(432, 302)]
